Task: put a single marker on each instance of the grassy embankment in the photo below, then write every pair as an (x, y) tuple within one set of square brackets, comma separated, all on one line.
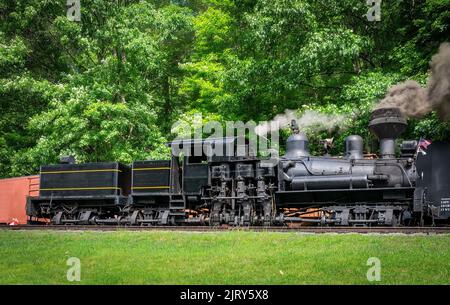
[(37, 257)]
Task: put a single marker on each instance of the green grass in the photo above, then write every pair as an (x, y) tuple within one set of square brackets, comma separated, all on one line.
[(39, 257)]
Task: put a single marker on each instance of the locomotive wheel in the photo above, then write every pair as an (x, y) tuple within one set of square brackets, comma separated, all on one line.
[(59, 218), (93, 220), (135, 217)]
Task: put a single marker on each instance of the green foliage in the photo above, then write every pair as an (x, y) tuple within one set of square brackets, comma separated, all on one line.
[(93, 131), (111, 86), (431, 128)]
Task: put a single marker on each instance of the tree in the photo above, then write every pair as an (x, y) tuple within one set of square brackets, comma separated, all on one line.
[(111, 86)]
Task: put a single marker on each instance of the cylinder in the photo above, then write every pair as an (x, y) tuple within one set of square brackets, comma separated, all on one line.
[(354, 147)]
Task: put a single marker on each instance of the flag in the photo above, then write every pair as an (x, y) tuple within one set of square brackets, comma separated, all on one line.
[(423, 145)]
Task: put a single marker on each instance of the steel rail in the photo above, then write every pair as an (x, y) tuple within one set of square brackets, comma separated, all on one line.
[(310, 229)]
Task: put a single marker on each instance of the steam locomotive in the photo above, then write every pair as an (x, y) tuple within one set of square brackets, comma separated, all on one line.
[(231, 189)]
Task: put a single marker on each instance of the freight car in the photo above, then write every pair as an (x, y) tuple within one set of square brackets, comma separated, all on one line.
[(223, 188), (13, 194)]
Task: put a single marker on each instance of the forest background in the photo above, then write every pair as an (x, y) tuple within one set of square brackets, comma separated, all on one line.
[(109, 87)]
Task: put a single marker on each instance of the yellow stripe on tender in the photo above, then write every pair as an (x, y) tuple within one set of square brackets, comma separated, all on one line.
[(81, 188), (150, 168), (150, 187), (83, 171)]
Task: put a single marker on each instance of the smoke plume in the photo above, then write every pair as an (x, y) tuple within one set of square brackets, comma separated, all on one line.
[(439, 82), (318, 120), (409, 97), (414, 100)]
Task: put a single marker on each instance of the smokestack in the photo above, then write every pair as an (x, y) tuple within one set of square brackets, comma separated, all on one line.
[(387, 124)]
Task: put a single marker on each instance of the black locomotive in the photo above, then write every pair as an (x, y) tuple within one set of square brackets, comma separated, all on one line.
[(217, 189)]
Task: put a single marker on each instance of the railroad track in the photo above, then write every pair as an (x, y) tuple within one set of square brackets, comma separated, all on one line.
[(363, 230)]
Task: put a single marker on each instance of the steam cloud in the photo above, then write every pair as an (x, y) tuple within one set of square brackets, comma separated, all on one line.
[(414, 100), (439, 82), (410, 97), (309, 118)]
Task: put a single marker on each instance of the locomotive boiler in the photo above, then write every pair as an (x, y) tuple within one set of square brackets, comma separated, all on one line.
[(352, 189), (397, 187)]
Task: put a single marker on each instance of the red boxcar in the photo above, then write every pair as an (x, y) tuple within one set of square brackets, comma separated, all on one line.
[(13, 197)]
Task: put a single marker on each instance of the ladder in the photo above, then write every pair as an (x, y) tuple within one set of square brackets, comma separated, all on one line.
[(177, 204)]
